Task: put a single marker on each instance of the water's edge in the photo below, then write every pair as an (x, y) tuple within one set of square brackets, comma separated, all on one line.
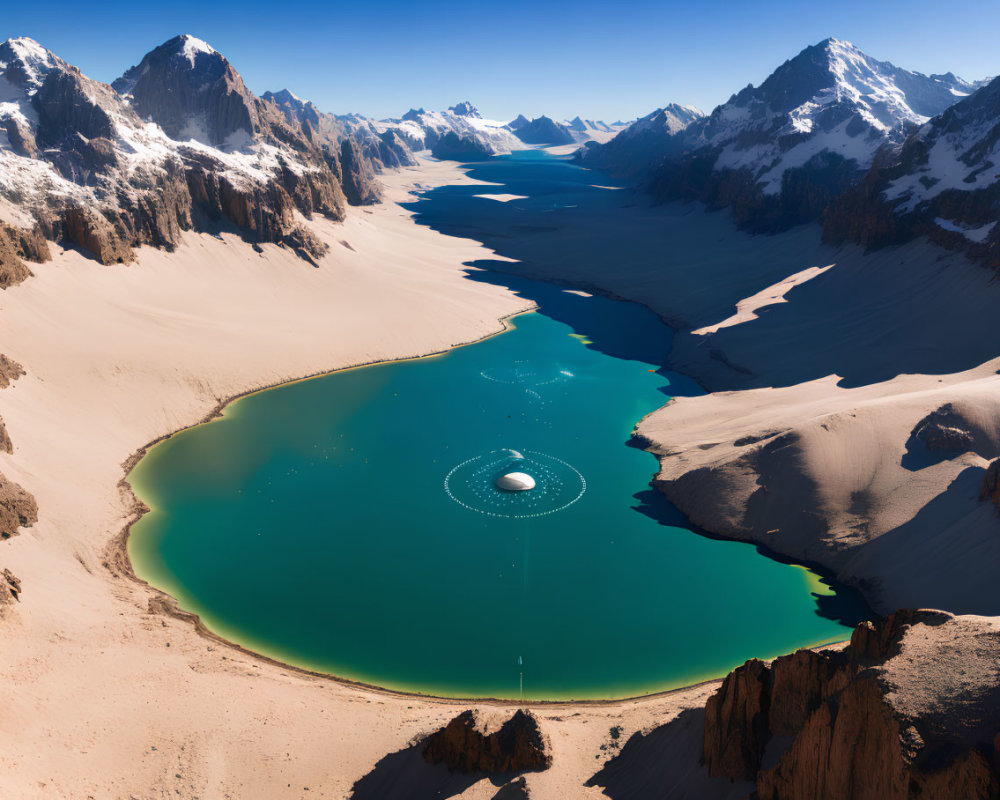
[(119, 560)]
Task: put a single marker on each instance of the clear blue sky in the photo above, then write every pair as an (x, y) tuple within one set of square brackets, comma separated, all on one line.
[(602, 60)]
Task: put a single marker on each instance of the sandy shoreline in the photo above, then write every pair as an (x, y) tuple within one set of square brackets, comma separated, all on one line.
[(121, 560), (106, 694)]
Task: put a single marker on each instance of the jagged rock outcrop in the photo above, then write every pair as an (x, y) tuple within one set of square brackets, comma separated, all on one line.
[(911, 708), (518, 746), (18, 245), (10, 589), (990, 490), (17, 508), (10, 371), (359, 182), (943, 431), (736, 722)]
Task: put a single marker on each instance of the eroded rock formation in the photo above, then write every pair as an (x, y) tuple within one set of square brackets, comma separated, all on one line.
[(518, 746), (17, 508), (18, 245), (10, 589), (911, 708)]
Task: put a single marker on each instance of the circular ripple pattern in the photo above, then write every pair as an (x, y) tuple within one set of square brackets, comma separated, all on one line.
[(525, 373), (472, 484)]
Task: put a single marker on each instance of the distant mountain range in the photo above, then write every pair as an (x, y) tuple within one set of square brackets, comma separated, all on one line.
[(178, 143), (782, 153)]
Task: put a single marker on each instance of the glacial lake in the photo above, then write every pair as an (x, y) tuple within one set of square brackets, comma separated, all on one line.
[(350, 524)]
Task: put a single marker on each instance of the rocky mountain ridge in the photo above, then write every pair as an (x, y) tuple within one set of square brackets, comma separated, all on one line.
[(460, 133), (178, 143), (642, 146), (779, 153), (941, 182)]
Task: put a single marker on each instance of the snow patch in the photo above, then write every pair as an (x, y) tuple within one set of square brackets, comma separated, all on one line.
[(194, 46), (977, 235)]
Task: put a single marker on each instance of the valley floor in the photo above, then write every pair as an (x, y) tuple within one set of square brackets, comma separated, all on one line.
[(105, 695), (822, 362)]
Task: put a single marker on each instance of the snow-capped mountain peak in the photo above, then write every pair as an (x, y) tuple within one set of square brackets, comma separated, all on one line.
[(831, 98), (191, 47), (24, 63)]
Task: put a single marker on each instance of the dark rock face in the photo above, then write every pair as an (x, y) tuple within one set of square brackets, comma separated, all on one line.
[(456, 148), (883, 718), (736, 723), (359, 183), (941, 431), (990, 490), (517, 747), (543, 130), (17, 508)]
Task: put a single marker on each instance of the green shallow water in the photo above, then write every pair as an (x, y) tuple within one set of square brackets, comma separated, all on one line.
[(312, 523)]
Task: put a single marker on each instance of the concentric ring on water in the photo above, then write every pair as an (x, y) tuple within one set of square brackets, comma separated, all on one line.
[(525, 373), (472, 484)]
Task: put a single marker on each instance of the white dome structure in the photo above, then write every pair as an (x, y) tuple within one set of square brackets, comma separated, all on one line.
[(515, 482)]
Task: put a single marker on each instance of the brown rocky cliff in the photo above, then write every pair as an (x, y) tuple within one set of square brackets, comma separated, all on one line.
[(736, 722), (911, 708), (518, 746)]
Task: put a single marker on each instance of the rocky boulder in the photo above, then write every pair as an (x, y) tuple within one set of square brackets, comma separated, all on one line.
[(943, 431), (17, 508), (518, 746)]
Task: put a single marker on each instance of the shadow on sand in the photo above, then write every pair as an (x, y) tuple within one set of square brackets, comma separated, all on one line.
[(665, 763), (405, 775)]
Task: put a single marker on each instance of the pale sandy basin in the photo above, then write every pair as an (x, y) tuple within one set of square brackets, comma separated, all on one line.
[(101, 695)]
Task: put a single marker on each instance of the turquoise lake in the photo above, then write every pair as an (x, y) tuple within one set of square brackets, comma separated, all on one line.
[(350, 524)]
